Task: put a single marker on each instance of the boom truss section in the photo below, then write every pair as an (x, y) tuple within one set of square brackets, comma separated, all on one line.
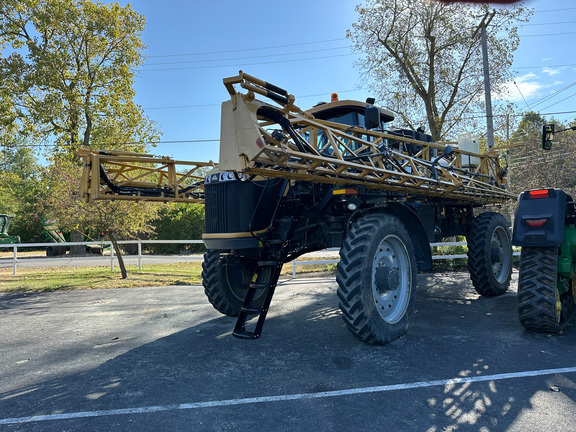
[(265, 140), (261, 139), (117, 175)]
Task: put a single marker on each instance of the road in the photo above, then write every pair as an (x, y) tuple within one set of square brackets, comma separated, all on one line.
[(149, 359), (98, 260), (94, 260)]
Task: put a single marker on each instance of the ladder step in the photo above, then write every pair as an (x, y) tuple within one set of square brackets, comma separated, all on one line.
[(259, 286), (244, 334), (251, 310)]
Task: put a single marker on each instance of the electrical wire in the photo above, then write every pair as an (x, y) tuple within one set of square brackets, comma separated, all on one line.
[(544, 67), (554, 94), (217, 105), (554, 10), (548, 34), (250, 57), (248, 64), (520, 91), (562, 100), (247, 49)]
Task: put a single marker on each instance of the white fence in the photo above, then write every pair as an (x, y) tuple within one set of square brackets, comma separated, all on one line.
[(434, 257), (105, 244), (140, 257)]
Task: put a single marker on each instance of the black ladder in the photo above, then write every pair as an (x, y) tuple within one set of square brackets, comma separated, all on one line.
[(268, 272)]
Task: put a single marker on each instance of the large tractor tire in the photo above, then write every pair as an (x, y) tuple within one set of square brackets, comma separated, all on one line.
[(539, 304), (377, 278), (490, 254), (226, 284)]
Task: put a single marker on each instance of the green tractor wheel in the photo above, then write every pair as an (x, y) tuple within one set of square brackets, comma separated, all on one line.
[(541, 305)]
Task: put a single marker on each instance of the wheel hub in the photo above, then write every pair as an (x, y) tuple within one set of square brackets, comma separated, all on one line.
[(386, 279), (496, 254)]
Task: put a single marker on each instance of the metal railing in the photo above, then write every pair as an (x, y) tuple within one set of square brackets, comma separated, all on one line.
[(140, 256), (104, 244), (434, 257)]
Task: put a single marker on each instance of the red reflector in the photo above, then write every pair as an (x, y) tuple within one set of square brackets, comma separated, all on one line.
[(536, 222), (539, 193)]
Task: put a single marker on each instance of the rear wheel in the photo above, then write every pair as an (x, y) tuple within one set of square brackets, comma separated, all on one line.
[(377, 279), (490, 254), (540, 306), (226, 283)]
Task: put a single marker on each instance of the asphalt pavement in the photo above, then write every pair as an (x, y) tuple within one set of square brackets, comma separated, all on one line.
[(151, 359)]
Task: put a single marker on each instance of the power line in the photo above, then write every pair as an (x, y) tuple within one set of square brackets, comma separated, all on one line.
[(544, 67), (251, 57), (554, 94), (554, 10), (217, 104), (520, 91), (248, 64), (248, 49), (562, 100), (553, 23), (130, 143), (547, 34)]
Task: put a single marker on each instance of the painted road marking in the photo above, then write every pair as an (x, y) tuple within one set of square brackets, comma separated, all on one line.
[(279, 398)]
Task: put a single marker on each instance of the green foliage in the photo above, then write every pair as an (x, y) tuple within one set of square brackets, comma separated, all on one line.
[(20, 190), (179, 221), (71, 72), (68, 80), (125, 218), (423, 62), (531, 167)]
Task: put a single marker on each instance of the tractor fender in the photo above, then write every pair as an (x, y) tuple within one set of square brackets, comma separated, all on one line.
[(540, 218), (413, 225)]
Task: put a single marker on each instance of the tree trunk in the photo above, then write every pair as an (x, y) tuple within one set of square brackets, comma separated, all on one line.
[(118, 253), (77, 236)]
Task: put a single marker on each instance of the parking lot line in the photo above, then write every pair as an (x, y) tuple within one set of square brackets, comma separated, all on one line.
[(289, 397)]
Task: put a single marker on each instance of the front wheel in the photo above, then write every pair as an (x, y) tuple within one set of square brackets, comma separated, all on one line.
[(226, 282), (490, 254), (377, 279)]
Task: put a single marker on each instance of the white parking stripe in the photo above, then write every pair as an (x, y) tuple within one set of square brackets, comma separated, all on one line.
[(301, 396)]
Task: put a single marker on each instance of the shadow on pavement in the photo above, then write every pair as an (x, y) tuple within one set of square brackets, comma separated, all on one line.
[(305, 348)]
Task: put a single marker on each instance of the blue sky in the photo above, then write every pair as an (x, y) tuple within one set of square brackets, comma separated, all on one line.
[(301, 46)]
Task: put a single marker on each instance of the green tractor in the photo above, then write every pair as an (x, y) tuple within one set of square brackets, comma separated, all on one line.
[(5, 221), (545, 228)]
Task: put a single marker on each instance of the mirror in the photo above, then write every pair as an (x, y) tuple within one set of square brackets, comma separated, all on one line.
[(371, 117)]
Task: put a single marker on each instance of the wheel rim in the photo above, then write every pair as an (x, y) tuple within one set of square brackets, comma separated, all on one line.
[(238, 277), (499, 254), (391, 279)]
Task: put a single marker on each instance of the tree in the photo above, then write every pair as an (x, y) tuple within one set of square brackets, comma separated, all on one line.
[(424, 63), (179, 221), (535, 168), (68, 81), (71, 72), (114, 219), (20, 190)]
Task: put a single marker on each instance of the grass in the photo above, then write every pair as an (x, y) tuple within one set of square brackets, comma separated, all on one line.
[(71, 278)]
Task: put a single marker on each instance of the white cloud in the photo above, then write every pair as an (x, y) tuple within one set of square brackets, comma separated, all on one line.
[(552, 72), (525, 85)]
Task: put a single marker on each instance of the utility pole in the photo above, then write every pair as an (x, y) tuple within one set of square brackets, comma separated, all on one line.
[(489, 119)]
